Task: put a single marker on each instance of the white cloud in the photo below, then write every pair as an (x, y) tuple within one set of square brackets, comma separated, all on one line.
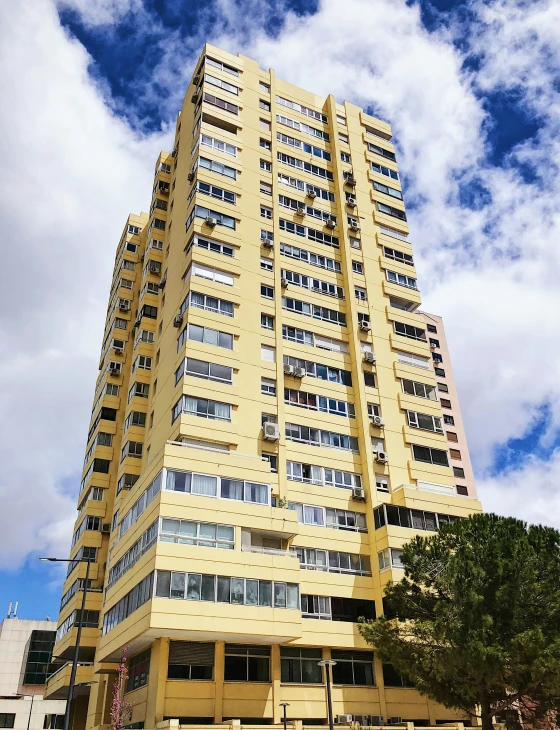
[(100, 12), (74, 173)]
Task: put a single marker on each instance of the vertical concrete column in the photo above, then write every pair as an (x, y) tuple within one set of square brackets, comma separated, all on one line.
[(277, 711), (155, 701), (219, 661), (378, 676)]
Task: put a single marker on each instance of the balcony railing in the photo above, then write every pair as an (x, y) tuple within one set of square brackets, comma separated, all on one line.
[(268, 551)]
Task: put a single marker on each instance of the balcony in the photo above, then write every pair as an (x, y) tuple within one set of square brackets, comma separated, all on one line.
[(59, 681), (266, 543)]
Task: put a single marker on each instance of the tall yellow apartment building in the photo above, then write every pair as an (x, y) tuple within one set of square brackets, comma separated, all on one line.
[(266, 430)]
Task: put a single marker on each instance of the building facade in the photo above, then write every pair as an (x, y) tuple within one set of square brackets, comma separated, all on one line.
[(266, 431), (25, 655)]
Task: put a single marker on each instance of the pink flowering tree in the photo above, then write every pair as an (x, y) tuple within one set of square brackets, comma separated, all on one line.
[(121, 711)]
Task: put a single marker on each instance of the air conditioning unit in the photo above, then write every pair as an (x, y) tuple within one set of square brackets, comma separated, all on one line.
[(381, 456), (119, 351), (369, 720), (394, 720), (350, 180), (115, 368), (284, 282), (344, 719), (196, 79), (300, 210), (210, 221), (190, 176), (267, 242), (106, 528), (300, 372), (271, 432), (377, 421), (369, 356), (124, 306), (288, 369), (311, 194), (330, 223), (351, 202), (365, 326), (177, 320), (355, 226), (434, 347), (195, 97), (358, 493), (154, 269)]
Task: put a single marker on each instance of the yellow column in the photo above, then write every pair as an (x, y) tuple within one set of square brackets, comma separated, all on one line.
[(277, 711), (219, 661), (378, 674), (155, 702)]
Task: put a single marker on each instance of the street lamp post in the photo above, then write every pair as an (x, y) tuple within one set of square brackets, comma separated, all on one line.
[(285, 719), (328, 663), (78, 634)]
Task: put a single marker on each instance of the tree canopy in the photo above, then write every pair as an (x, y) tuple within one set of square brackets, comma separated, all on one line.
[(475, 621)]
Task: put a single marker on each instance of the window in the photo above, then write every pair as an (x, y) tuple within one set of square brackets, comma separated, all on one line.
[(314, 310), (267, 235), (190, 660), (388, 514), (352, 667), (38, 658), (220, 103), (220, 169), (222, 589), (267, 264), (455, 454), (437, 358), (357, 267), (214, 81), (272, 460), (266, 166), (217, 144), (214, 246), (311, 233), (458, 472), (299, 666), (399, 256), (336, 609), (264, 87), (264, 143), (215, 192), (138, 390), (268, 353), (376, 149), (133, 230), (135, 418), (332, 561), (298, 144), (401, 279), (462, 490), (268, 386), (373, 410), (206, 370), (138, 670), (202, 408), (381, 483), (369, 379), (222, 66), (439, 372), (301, 127), (148, 311), (449, 420), (416, 361), (345, 157), (420, 390), (310, 258), (202, 534), (293, 182), (407, 330), (451, 436), (424, 421), (319, 403), (126, 481), (392, 678), (7, 719), (142, 362), (376, 167), (302, 109), (322, 372), (429, 455), (445, 403), (317, 285), (207, 335), (307, 166), (207, 302), (343, 137), (393, 192), (212, 486), (267, 291), (323, 476), (266, 212), (360, 294), (432, 328), (132, 448), (317, 437), (247, 663), (265, 188), (51, 722), (267, 322), (442, 387), (336, 519), (200, 212)]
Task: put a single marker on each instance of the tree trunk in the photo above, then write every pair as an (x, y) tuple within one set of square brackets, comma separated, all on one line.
[(486, 715)]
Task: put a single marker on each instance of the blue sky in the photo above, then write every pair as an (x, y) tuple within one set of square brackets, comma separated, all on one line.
[(472, 91)]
